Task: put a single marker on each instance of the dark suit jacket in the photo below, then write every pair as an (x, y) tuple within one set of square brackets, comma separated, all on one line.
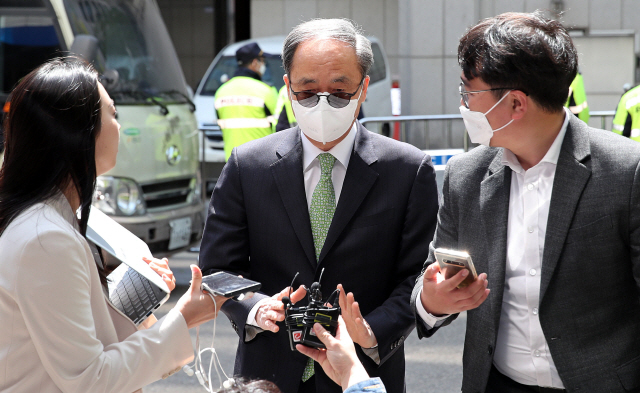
[(258, 226), (589, 305)]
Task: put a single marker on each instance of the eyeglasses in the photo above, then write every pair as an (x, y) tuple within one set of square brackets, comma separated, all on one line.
[(336, 100), (465, 97)]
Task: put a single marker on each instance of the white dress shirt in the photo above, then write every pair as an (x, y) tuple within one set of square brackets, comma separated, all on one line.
[(522, 352)]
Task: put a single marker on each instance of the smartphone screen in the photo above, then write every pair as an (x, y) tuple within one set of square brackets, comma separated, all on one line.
[(228, 285)]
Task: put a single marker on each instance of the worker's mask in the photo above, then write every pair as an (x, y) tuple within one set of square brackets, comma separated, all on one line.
[(263, 68), (478, 126), (323, 122)]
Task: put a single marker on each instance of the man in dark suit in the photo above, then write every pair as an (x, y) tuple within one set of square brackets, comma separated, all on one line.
[(549, 210), (329, 195)]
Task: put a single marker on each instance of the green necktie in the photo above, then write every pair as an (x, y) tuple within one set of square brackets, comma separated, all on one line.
[(323, 205)]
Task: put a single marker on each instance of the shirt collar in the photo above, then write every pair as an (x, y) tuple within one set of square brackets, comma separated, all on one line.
[(341, 151), (509, 159)]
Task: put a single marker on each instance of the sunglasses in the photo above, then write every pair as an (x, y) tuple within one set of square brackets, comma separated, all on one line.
[(335, 100)]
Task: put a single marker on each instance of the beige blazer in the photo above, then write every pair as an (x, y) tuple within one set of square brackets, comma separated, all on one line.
[(58, 331)]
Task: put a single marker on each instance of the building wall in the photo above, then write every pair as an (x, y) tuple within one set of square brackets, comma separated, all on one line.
[(421, 40), (190, 25)]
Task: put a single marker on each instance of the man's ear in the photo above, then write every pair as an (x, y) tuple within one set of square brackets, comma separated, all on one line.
[(365, 86), (519, 104)]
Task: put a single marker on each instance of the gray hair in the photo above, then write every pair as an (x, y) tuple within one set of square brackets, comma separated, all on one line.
[(338, 29)]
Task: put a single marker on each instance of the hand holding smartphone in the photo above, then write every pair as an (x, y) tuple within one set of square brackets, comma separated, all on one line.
[(229, 285), (451, 262)]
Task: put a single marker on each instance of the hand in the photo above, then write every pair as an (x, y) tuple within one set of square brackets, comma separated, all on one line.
[(195, 305), (272, 310), (441, 297), (161, 266), (339, 361), (355, 323)]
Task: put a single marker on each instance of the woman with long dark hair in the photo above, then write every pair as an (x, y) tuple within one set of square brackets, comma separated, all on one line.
[(58, 331)]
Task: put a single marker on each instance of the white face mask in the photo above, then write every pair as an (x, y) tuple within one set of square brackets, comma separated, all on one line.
[(324, 123), (263, 68), (478, 126)]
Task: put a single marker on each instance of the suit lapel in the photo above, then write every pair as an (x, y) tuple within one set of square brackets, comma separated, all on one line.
[(494, 207), (287, 172), (570, 179), (358, 180)]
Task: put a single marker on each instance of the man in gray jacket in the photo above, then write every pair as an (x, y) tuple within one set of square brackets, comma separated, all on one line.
[(549, 210)]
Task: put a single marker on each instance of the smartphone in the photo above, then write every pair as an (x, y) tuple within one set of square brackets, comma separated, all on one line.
[(451, 262), (229, 285)]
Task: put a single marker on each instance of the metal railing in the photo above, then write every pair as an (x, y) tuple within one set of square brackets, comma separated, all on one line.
[(603, 115)]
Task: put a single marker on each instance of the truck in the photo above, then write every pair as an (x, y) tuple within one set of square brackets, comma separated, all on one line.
[(155, 188)]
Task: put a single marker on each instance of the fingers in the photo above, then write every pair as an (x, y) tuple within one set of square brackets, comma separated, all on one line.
[(432, 271), (314, 354), (323, 335), (453, 282), (196, 278), (298, 295), (268, 314)]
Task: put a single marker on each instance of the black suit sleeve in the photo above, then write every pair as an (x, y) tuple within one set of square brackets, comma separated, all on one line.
[(392, 322), (225, 241), (283, 121), (446, 234)]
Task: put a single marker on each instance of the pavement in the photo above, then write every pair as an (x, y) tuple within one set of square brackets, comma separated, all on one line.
[(432, 365)]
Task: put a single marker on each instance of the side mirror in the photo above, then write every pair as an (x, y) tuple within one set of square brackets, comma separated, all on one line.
[(85, 46), (109, 78)]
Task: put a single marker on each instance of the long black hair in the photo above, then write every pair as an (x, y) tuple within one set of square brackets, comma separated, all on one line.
[(50, 136)]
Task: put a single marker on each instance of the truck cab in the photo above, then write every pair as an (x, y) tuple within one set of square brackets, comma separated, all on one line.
[(154, 189)]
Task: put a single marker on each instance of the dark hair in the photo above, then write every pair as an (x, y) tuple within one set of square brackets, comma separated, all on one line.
[(50, 138), (525, 51), (257, 386)]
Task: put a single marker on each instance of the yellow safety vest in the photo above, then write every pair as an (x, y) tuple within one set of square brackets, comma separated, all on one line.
[(284, 103), (577, 101), (627, 119), (245, 106)]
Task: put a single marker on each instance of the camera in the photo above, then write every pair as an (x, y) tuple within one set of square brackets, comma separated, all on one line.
[(300, 320)]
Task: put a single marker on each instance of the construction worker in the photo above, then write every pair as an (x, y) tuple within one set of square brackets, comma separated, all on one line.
[(284, 113), (245, 105), (627, 119), (577, 100)]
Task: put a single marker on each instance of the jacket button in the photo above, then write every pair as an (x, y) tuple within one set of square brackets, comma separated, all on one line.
[(490, 350)]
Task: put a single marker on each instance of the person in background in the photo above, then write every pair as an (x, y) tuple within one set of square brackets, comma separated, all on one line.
[(325, 195), (626, 122), (60, 333), (549, 210), (577, 101), (284, 113), (244, 104)]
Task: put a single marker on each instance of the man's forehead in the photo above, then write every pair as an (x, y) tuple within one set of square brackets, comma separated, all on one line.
[(310, 79), (324, 59)]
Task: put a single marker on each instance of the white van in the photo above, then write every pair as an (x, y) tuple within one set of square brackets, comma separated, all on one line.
[(154, 189), (378, 102)]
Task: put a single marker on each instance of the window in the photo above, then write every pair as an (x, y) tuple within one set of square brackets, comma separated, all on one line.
[(378, 70), (25, 43)]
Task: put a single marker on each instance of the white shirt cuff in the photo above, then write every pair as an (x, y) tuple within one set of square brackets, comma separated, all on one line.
[(251, 318), (429, 319)]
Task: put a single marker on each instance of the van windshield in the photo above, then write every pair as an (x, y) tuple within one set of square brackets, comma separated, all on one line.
[(227, 66), (134, 42)]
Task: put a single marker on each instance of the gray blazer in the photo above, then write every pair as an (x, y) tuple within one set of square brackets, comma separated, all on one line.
[(589, 303)]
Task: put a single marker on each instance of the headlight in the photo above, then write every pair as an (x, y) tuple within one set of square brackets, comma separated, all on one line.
[(195, 188), (118, 196)]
